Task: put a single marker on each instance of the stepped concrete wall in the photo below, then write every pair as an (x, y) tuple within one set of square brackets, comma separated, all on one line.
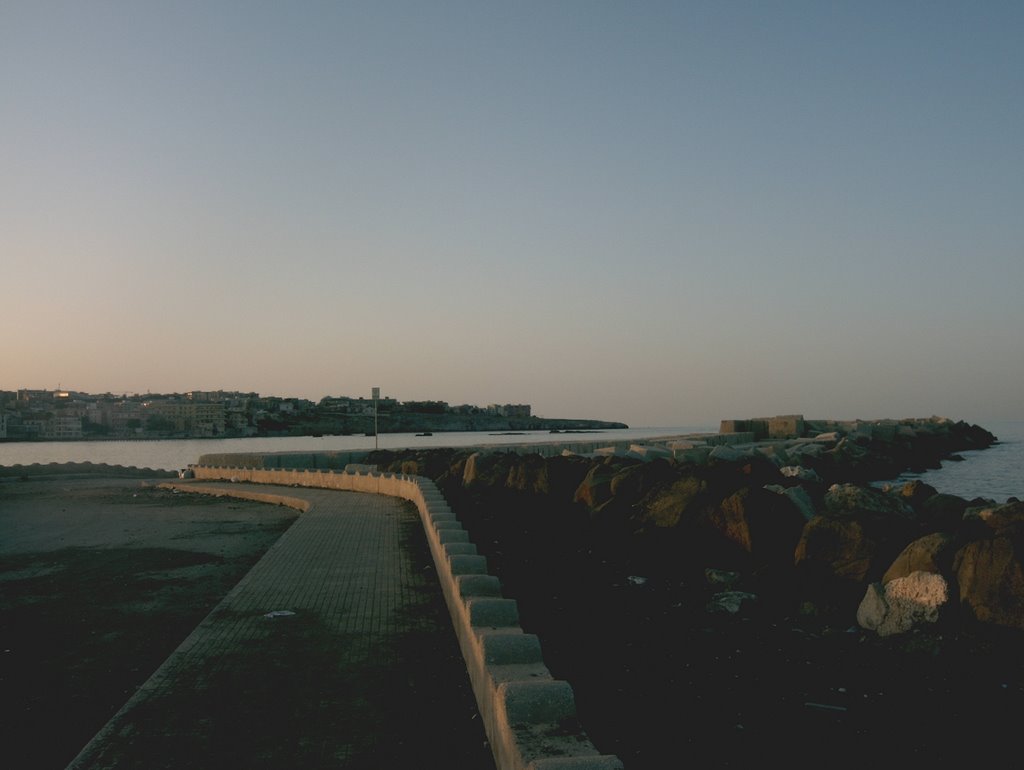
[(525, 710)]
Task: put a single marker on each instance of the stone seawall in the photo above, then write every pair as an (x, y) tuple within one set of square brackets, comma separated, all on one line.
[(529, 716)]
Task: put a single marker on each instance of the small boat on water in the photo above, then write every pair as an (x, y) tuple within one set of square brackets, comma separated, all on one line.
[(428, 433)]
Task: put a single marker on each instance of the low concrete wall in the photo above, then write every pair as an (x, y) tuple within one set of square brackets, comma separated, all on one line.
[(528, 715)]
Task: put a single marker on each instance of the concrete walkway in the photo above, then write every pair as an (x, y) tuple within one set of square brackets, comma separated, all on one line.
[(336, 650)]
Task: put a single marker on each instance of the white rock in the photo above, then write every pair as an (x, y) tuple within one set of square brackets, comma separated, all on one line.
[(799, 472), (903, 603)]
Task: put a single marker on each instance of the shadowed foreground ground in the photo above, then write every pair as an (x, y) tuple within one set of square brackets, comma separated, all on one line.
[(661, 681), (103, 578)]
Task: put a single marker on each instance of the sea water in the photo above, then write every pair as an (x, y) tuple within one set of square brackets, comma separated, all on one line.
[(995, 473)]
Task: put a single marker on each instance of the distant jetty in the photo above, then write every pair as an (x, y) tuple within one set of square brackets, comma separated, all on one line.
[(414, 422)]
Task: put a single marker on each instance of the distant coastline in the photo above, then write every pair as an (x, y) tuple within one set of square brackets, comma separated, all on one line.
[(42, 415)]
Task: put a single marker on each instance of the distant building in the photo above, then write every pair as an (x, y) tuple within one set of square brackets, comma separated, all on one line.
[(121, 418), (62, 427), (192, 418), (509, 410), (26, 396), (336, 404), (761, 428), (33, 427), (237, 421)]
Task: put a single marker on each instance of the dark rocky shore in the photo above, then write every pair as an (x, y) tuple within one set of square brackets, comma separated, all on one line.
[(767, 601)]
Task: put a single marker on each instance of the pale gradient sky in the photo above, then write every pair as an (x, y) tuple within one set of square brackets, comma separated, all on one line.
[(665, 213)]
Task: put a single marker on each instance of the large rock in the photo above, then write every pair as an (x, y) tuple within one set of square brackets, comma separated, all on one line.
[(486, 469), (916, 492), (728, 454), (555, 477), (798, 496), (565, 474), (732, 519), (596, 487), (765, 525), (666, 507), (529, 473), (836, 548), (902, 604), (634, 482), (851, 499), (991, 579), (942, 512), (1005, 520), (838, 556), (857, 537), (931, 553)]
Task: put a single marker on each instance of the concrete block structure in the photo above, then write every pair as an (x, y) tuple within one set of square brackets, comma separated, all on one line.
[(785, 426)]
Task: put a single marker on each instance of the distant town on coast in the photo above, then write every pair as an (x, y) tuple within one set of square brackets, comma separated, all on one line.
[(66, 415)]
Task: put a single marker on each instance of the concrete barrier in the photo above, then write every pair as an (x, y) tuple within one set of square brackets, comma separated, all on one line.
[(529, 717)]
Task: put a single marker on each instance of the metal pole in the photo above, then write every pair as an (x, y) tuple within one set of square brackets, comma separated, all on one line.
[(376, 440)]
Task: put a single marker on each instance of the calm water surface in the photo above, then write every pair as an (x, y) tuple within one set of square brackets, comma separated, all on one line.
[(996, 473)]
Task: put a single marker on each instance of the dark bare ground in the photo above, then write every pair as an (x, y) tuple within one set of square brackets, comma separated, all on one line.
[(81, 627), (661, 682)]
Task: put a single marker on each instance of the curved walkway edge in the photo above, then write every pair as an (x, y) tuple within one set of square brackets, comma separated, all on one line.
[(529, 717)]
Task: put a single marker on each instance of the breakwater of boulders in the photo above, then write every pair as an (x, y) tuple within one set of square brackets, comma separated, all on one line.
[(796, 526)]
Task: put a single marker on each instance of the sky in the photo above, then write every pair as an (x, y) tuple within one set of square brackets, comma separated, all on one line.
[(660, 213)]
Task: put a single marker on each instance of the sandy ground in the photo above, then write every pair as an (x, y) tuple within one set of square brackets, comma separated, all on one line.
[(100, 579)]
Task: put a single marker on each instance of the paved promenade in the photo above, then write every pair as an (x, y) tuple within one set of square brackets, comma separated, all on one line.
[(335, 650)]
